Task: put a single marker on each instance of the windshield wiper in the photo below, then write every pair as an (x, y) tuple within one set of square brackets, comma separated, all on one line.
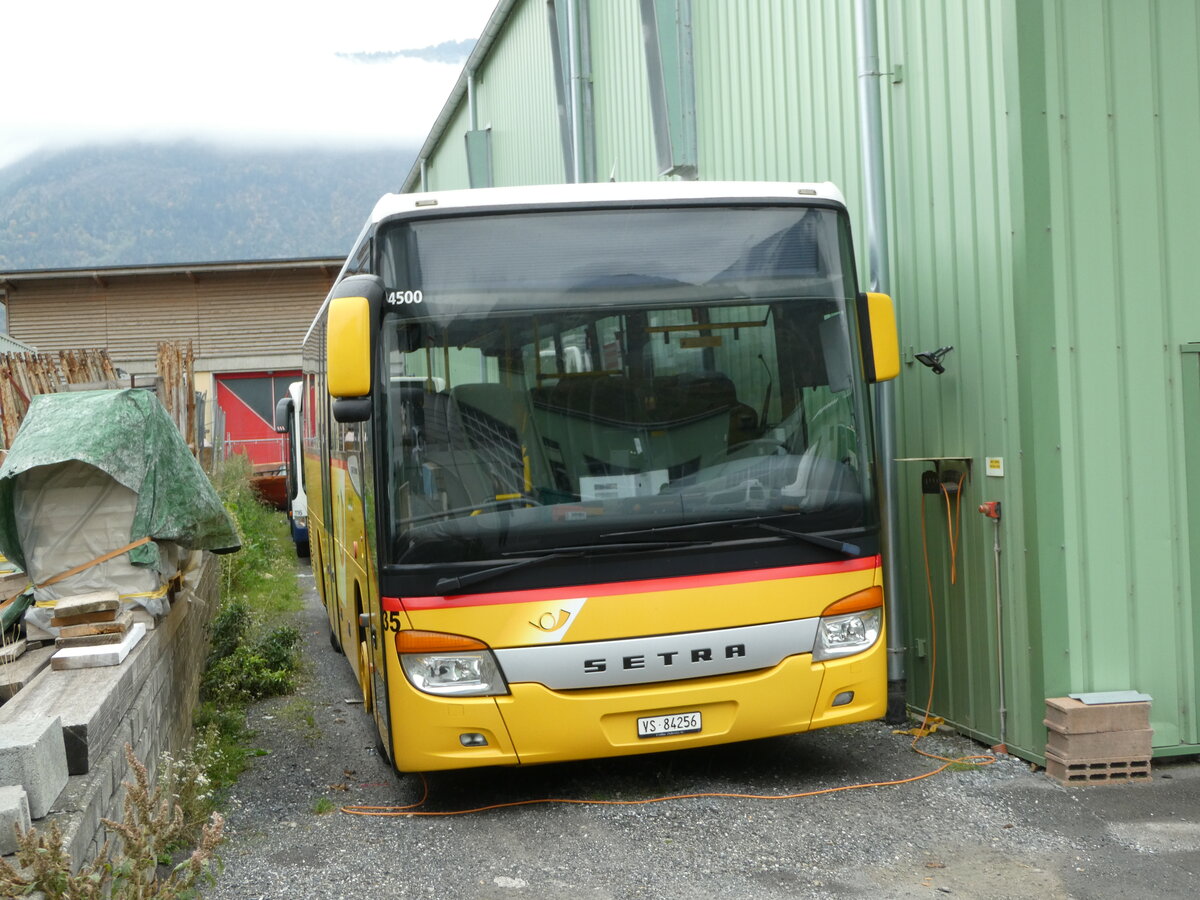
[(818, 540), (454, 583)]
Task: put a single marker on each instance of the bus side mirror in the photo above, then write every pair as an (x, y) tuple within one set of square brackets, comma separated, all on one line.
[(348, 348), (283, 412), (352, 409), (880, 340)]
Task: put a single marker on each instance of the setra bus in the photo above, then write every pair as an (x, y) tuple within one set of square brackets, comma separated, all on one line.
[(591, 470)]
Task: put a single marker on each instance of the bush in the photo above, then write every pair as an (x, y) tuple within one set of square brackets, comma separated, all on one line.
[(266, 667), (250, 657)]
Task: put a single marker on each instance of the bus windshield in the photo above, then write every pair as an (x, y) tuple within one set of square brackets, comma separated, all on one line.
[(561, 379)]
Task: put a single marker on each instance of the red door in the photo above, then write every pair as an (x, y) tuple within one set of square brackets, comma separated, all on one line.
[(247, 403)]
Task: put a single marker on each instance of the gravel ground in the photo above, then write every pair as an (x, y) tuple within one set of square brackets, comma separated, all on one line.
[(995, 832)]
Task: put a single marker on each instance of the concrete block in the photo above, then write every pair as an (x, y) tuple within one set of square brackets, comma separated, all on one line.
[(14, 813), (15, 675), (1069, 716), (33, 754), (1101, 744), (1079, 772), (91, 702)]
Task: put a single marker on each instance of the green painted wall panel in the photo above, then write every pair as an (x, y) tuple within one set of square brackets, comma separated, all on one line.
[(775, 92), (1189, 677), (1113, 91), (446, 170), (1038, 600), (951, 252), (624, 138), (517, 100)]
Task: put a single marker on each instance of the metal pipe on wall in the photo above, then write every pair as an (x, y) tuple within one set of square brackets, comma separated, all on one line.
[(871, 125), (575, 31), (472, 110)]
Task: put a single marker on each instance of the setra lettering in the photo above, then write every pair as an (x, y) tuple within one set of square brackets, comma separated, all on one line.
[(666, 658)]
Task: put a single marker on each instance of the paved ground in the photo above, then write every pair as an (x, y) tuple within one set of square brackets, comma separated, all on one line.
[(995, 832)]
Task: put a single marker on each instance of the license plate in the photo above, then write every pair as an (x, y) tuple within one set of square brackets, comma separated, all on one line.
[(661, 726)]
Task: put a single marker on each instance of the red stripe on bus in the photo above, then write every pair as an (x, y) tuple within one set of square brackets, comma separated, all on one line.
[(685, 582)]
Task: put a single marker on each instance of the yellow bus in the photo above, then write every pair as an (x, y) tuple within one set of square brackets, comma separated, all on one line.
[(591, 470)]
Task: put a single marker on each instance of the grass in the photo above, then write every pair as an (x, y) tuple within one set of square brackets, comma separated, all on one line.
[(252, 656), (300, 713)]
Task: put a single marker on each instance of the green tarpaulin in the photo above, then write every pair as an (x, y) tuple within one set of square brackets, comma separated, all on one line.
[(128, 435)]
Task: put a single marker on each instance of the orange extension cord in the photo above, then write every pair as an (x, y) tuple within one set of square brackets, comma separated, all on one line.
[(414, 809)]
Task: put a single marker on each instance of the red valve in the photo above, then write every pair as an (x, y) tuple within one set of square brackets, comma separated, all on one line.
[(991, 509)]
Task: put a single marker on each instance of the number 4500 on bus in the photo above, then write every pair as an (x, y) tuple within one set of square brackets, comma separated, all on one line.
[(591, 470)]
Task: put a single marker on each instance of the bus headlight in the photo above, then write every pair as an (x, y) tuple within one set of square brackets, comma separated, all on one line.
[(449, 665), (850, 626)]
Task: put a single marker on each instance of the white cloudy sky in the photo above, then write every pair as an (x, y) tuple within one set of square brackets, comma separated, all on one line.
[(230, 71)]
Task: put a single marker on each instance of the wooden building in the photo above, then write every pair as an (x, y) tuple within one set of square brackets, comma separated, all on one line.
[(245, 321)]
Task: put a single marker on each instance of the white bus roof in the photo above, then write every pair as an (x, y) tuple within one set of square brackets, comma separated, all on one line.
[(603, 192)]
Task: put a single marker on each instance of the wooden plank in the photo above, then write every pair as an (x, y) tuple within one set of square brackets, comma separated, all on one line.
[(93, 657), (118, 625), (81, 604), (106, 615), (90, 640)]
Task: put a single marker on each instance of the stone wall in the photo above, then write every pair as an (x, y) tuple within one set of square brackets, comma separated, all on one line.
[(146, 702)]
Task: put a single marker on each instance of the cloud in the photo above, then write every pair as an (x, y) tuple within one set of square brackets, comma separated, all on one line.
[(261, 72)]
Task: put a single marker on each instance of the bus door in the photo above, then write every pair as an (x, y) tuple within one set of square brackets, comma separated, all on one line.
[(346, 477)]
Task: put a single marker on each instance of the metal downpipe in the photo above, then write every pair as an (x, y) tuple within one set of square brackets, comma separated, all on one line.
[(871, 125)]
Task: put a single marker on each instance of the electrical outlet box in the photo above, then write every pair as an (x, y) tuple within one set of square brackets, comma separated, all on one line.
[(930, 483)]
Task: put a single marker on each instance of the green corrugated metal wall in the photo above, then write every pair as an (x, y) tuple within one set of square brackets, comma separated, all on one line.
[(447, 169), (514, 96), (951, 257), (1123, 113), (624, 141), (770, 110), (525, 141), (1041, 221)]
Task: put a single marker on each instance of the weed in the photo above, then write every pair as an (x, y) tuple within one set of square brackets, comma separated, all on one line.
[(155, 824), (300, 713), (322, 806)]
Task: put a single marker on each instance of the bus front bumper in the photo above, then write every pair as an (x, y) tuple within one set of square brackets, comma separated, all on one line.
[(534, 724)]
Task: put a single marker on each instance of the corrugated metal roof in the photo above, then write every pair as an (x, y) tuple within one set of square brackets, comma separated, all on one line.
[(99, 273)]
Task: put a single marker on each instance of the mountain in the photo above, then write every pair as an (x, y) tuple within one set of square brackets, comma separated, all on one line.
[(145, 204)]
